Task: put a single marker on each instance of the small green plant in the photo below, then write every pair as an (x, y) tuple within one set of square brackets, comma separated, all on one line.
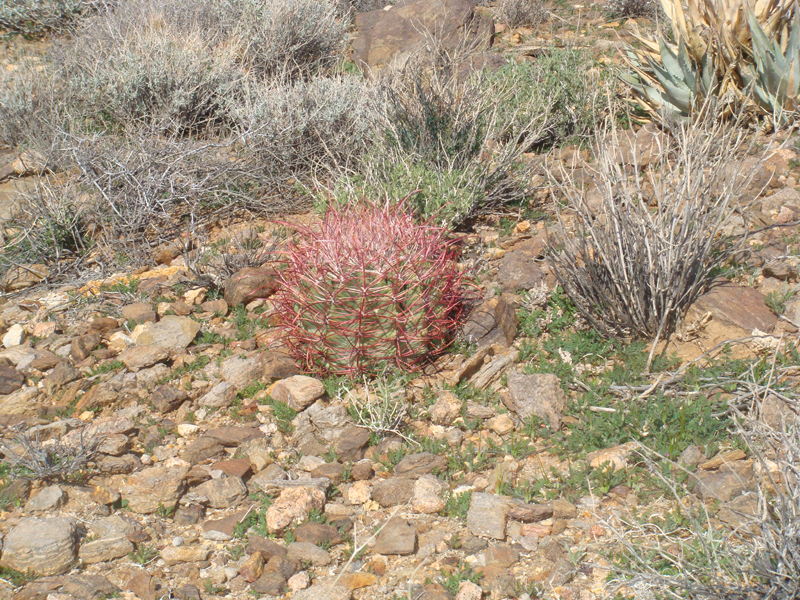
[(106, 367), (777, 300), (452, 580), (164, 512), (283, 414), (457, 505), (143, 554)]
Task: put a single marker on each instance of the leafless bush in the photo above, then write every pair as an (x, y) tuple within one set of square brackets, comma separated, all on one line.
[(288, 38), (53, 226), (29, 456), (38, 17), (521, 13), (32, 102), (632, 270), (380, 406), (633, 8), (250, 249), (759, 560)]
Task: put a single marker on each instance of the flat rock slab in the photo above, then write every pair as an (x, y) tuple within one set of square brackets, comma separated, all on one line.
[(155, 487), (538, 394), (493, 322), (171, 332), (736, 305), (398, 536), (487, 515)]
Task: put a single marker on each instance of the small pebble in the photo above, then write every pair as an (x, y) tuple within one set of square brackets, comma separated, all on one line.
[(177, 541)]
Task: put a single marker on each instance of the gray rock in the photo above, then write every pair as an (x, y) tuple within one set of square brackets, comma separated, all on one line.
[(50, 498), (539, 394), (10, 379), (398, 536), (414, 466), (141, 312), (487, 515), (88, 587), (349, 446), (393, 491), (105, 549), (167, 398), (140, 357), (692, 456), (220, 396), (519, 271), (155, 487), (45, 546), (306, 551), (248, 284), (203, 448), (224, 492), (20, 402), (493, 322), (241, 372), (726, 483), (385, 36)]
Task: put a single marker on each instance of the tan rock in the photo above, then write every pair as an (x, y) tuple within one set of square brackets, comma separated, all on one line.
[(293, 506), (150, 488), (184, 554)]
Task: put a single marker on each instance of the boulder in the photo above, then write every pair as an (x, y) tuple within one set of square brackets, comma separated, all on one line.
[(395, 34)]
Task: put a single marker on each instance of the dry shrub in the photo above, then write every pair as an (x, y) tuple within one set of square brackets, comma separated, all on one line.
[(137, 65), (705, 559), (34, 18), (30, 456), (521, 13), (634, 267), (633, 8), (302, 131), (457, 134)]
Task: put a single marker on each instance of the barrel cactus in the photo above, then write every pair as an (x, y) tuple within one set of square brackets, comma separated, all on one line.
[(369, 288)]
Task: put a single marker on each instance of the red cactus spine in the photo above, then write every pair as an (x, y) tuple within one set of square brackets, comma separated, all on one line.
[(368, 288)]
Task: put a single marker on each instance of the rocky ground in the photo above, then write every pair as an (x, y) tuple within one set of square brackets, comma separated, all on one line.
[(215, 468)]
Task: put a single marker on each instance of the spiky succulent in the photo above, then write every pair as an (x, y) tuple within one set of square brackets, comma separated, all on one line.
[(368, 288), (745, 57)]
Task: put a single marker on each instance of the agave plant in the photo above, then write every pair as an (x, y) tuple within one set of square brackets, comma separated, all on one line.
[(744, 56), (775, 77)]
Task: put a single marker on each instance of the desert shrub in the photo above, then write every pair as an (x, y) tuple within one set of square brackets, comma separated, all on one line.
[(29, 456), (380, 405), (286, 38), (32, 103), (562, 80), (53, 227), (455, 137), (633, 265), (760, 558), (303, 130), (521, 13), (633, 8), (135, 65), (367, 289), (34, 18)]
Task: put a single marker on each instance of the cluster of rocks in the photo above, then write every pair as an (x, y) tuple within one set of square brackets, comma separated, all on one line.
[(197, 486)]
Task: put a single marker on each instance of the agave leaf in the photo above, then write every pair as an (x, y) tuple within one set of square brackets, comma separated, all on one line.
[(687, 67), (670, 61)]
